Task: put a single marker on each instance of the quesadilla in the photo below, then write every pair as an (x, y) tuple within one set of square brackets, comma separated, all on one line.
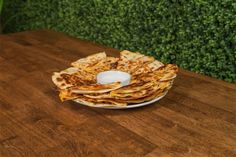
[(100, 102), (60, 79), (133, 63), (150, 79), (94, 88), (90, 60)]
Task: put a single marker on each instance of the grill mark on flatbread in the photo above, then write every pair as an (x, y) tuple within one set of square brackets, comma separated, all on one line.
[(59, 79), (72, 79), (114, 65)]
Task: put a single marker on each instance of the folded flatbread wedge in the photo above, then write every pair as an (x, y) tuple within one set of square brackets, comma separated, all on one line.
[(100, 102), (61, 81), (89, 60), (133, 63), (94, 88)]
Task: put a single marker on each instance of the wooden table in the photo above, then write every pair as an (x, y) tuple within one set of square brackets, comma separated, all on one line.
[(197, 118)]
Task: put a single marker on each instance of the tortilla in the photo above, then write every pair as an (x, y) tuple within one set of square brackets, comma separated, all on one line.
[(155, 95), (142, 93), (66, 79), (60, 81), (131, 56), (133, 63), (65, 95), (108, 63), (94, 88), (99, 102), (131, 93), (89, 60), (134, 87), (155, 65), (165, 73), (68, 95)]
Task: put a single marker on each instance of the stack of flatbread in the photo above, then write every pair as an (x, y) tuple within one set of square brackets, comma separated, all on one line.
[(150, 79)]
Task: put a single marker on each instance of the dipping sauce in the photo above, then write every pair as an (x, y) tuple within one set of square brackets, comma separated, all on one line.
[(108, 77)]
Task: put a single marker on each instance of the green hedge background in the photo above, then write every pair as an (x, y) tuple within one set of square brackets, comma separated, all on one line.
[(198, 35)]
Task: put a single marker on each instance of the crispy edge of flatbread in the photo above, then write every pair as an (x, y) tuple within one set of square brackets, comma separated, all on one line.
[(97, 88), (59, 81), (100, 102), (155, 95), (65, 95), (155, 65), (136, 63), (131, 96), (134, 87), (135, 56), (103, 65), (166, 72), (91, 59), (109, 95), (143, 93)]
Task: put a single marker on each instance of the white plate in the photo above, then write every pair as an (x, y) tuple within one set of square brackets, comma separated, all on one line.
[(128, 106)]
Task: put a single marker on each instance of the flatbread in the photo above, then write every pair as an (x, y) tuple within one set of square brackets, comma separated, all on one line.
[(134, 87), (165, 73), (89, 60), (151, 67), (95, 88), (65, 95), (133, 63), (137, 87), (72, 77), (147, 67), (106, 64), (89, 70), (130, 94), (84, 73), (157, 94), (100, 102), (68, 95), (60, 81), (155, 65), (131, 56), (142, 93)]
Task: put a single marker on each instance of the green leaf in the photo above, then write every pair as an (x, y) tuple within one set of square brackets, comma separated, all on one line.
[(1, 6)]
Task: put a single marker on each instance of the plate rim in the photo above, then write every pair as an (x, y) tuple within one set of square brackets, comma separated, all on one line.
[(128, 106)]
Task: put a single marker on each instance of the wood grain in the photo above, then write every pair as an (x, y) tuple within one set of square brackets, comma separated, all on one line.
[(196, 118)]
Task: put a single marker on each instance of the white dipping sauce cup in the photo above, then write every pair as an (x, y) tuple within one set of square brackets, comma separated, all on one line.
[(108, 77)]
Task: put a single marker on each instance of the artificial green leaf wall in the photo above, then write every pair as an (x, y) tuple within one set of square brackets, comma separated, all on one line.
[(198, 35)]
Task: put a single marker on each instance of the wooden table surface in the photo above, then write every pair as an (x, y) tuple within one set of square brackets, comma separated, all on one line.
[(197, 118)]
